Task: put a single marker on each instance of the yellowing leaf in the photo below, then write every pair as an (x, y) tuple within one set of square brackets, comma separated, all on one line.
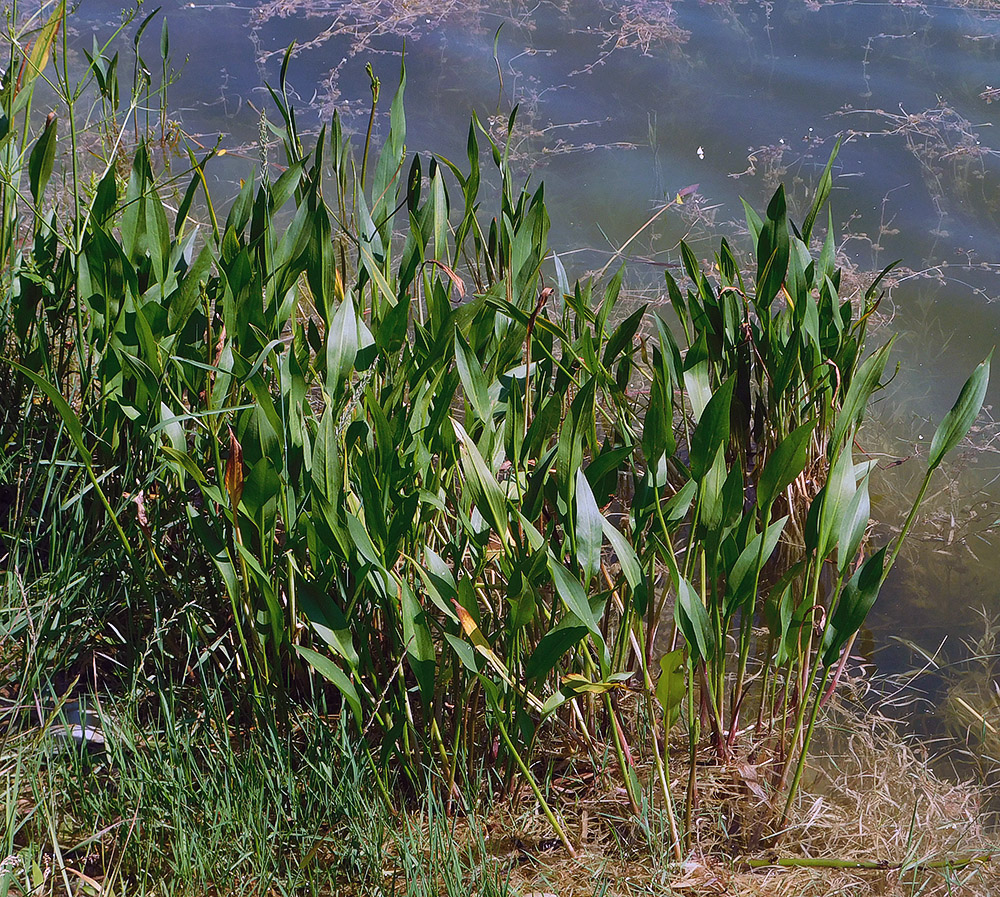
[(479, 641)]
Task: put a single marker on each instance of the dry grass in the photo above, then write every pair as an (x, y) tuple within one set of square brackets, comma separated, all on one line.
[(873, 797), (870, 797)]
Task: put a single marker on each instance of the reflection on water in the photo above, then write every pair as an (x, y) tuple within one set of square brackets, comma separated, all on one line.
[(624, 102)]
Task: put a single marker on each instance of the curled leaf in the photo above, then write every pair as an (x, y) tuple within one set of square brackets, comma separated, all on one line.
[(234, 470)]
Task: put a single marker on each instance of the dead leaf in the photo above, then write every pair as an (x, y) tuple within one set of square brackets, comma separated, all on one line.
[(234, 470)]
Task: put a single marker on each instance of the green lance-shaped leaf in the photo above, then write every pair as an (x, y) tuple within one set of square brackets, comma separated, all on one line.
[(630, 565), (694, 623), (856, 600), (72, 422), (863, 384), (855, 520), (416, 634), (671, 362), (837, 494), (870, 300), (712, 495), (658, 425), (697, 380), (341, 344), (366, 549), (327, 620), (473, 379), (785, 463), (552, 646), (326, 475), (260, 487), (569, 453), (522, 598), (670, 688), (783, 623), (441, 592), (573, 595), (589, 528), (329, 670), (677, 506), (42, 158), (158, 232), (611, 293), (187, 296), (754, 224), (741, 579), (712, 431), (486, 491), (822, 194), (466, 653), (963, 414), (623, 336), (772, 252)]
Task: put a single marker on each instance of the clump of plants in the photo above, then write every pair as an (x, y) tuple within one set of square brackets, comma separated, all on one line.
[(359, 426)]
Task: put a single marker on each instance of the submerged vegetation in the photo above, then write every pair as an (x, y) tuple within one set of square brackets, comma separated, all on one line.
[(346, 501)]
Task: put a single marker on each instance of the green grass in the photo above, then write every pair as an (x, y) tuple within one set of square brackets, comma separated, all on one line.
[(181, 802), (176, 806)]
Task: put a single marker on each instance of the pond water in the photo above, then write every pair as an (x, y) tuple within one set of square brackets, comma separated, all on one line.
[(625, 102)]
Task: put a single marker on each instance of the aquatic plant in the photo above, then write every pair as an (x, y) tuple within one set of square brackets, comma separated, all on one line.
[(347, 428)]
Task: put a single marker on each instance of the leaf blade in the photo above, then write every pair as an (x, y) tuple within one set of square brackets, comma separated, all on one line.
[(958, 421)]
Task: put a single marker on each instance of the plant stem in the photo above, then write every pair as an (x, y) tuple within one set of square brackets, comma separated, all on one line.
[(624, 762), (909, 523), (838, 863), (746, 632), (530, 779), (800, 766)]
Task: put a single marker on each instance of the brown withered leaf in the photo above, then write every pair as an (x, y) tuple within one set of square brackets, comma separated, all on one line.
[(699, 878), (748, 775), (140, 512), (234, 470), (455, 279)]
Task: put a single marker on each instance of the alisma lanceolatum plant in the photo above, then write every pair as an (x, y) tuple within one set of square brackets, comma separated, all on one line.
[(352, 421)]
